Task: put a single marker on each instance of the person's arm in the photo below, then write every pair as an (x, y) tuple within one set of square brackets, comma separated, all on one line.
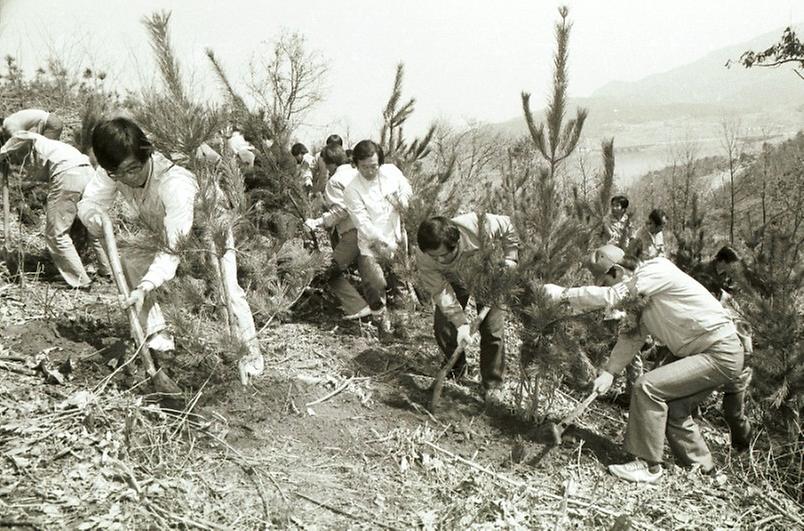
[(434, 282), (97, 198), (18, 141), (178, 222), (623, 352), (502, 228)]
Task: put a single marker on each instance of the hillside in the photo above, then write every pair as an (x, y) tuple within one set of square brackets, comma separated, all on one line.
[(687, 103)]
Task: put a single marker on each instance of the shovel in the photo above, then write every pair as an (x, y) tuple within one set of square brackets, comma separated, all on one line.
[(438, 385), (551, 433), (162, 382)]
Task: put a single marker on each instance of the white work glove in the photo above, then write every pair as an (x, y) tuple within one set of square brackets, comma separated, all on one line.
[(385, 248), (136, 297), (553, 292), (510, 264), (312, 224), (603, 382), (464, 334), (250, 365)]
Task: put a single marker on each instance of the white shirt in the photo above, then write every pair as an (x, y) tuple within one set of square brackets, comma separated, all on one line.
[(371, 210), (58, 156), (165, 204), (334, 198)]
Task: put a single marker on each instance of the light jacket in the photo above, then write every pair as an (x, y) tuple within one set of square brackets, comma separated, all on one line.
[(435, 277), (165, 204)]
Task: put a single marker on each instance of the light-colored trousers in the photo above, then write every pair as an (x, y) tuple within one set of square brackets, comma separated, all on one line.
[(63, 195), (662, 402), (136, 263)]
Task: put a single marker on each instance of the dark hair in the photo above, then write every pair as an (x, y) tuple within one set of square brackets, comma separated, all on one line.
[(348, 154), (333, 154), (620, 200), (298, 149), (113, 141), (727, 255), (334, 139), (657, 216), (365, 149), (434, 232)]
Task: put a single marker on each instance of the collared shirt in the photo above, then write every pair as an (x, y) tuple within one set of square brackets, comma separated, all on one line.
[(620, 231), (371, 208), (436, 277), (56, 156), (651, 245), (165, 204), (679, 312), (334, 199)]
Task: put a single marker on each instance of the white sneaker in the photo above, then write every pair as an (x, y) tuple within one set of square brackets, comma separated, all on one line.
[(363, 312), (636, 471)]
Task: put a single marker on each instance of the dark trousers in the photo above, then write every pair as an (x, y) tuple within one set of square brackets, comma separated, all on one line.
[(734, 409), (492, 343)]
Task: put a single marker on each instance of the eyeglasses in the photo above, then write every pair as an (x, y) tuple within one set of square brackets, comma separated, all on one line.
[(122, 171)]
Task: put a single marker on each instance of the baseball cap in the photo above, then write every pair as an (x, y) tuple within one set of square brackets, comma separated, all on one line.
[(603, 258)]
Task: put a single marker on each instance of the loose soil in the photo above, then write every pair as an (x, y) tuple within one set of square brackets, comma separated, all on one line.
[(97, 452)]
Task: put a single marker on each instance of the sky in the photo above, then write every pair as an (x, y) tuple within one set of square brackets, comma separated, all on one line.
[(464, 60)]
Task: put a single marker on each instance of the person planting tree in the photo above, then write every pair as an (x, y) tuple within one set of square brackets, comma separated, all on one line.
[(163, 194)]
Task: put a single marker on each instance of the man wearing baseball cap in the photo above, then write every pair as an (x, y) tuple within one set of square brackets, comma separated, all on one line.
[(682, 314)]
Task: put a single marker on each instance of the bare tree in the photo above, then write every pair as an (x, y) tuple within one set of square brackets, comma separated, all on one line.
[(730, 142), (288, 81)]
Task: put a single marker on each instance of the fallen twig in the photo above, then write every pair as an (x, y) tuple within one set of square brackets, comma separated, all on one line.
[(519, 484), (19, 370), (342, 512), (335, 392)]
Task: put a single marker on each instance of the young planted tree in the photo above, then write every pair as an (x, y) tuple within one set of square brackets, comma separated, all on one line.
[(273, 272), (549, 248)]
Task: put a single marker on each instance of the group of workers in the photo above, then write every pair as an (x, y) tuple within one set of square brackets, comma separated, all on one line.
[(364, 199)]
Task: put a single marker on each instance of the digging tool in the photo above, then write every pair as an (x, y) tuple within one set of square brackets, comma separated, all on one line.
[(551, 432), (162, 382), (442, 374)]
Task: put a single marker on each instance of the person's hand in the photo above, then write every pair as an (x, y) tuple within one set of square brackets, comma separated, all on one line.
[(603, 382), (464, 334), (135, 298), (312, 223), (385, 248), (250, 365), (510, 264), (553, 292), (395, 201)]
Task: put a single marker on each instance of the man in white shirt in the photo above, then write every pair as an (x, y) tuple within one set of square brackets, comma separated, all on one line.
[(68, 171), (683, 315), (34, 120), (163, 194), (375, 199), (345, 251)]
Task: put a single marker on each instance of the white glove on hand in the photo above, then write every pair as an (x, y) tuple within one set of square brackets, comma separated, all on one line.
[(553, 292), (250, 365), (464, 334), (312, 224), (603, 382)]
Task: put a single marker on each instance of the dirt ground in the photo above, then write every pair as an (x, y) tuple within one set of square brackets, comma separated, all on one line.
[(335, 435)]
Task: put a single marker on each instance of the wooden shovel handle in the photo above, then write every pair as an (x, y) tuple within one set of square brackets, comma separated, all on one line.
[(438, 385), (580, 408)]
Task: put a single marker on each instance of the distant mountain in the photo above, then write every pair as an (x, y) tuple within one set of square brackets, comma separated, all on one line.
[(694, 96)]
